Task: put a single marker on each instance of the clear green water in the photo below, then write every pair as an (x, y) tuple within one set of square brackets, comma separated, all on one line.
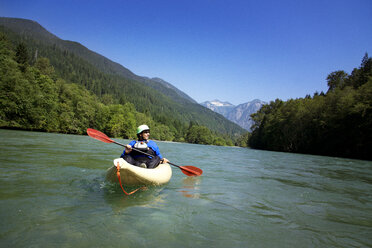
[(53, 194)]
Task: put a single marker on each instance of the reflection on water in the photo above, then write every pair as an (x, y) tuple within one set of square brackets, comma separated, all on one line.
[(148, 197), (191, 187)]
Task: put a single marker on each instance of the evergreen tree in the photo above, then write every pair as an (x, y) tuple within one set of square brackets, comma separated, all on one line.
[(22, 56)]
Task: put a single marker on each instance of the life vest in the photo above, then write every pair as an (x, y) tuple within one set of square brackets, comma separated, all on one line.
[(143, 147)]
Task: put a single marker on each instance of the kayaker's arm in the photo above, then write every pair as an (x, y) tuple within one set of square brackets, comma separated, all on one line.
[(128, 149)]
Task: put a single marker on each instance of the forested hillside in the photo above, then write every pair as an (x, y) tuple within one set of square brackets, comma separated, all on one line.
[(34, 32), (338, 123), (110, 87), (34, 97)]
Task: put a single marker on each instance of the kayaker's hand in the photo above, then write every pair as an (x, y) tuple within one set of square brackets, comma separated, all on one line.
[(164, 160), (128, 149)]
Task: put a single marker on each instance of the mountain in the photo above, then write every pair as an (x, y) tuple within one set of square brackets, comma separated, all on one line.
[(240, 114), (31, 29), (166, 88), (217, 106), (112, 82)]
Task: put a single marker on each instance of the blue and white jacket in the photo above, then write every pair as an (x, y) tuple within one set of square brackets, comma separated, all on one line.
[(150, 144)]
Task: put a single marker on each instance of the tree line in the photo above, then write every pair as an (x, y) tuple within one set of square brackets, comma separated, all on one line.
[(335, 123), (34, 97)]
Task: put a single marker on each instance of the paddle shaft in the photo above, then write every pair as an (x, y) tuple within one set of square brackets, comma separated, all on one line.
[(120, 144), (180, 167), (144, 153)]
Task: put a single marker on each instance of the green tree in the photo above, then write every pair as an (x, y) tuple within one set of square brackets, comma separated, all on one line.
[(242, 141), (22, 56), (199, 135), (122, 122), (44, 66), (336, 80), (219, 141)]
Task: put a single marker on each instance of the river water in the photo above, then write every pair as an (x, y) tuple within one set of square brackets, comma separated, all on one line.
[(53, 194)]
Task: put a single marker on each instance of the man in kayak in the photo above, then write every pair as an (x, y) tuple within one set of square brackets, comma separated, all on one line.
[(143, 145)]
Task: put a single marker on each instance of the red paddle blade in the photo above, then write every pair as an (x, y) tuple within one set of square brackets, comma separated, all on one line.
[(191, 170), (95, 134)]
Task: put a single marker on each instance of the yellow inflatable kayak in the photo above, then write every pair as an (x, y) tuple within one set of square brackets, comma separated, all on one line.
[(133, 175)]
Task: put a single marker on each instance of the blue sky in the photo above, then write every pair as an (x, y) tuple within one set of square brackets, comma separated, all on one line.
[(233, 51)]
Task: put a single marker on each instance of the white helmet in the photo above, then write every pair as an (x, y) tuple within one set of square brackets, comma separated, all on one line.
[(142, 128)]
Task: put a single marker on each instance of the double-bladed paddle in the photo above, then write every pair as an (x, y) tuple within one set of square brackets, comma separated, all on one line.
[(187, 169)]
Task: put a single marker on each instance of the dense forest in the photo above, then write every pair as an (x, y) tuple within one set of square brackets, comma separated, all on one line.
[(336, 123), (34, 96)]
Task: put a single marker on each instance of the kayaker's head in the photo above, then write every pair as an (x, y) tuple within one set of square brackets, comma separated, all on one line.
[(143, 132)]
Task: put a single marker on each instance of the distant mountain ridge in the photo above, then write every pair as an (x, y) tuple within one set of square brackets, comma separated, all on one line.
[(240, 114), (218, 106), (35, 31)]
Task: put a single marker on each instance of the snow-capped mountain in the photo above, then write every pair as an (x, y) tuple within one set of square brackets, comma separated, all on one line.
[(239, 114), (222, 108)]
